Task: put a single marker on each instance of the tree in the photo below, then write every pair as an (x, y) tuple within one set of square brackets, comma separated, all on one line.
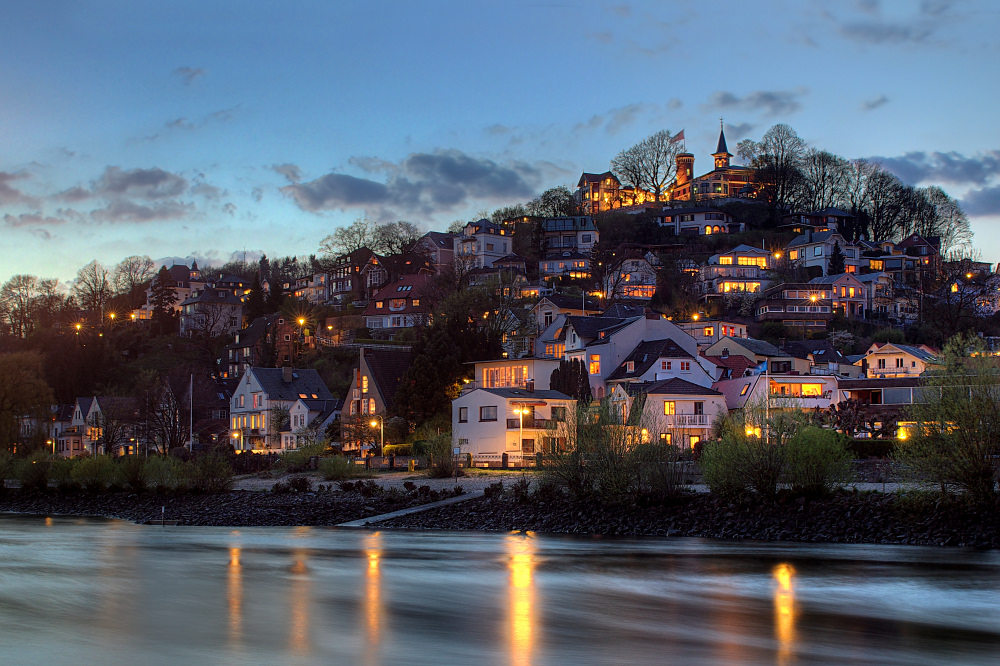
[(648, 165), (553, 202), (777, 162), (955, 439), (345, 240), (130, 274), (255, 303), (116, 422), (394, 237), (23, 392), (17, 298), (162, 297), (884, 194), (837, 263), (950, 222), (824, 176), (572, 379), (93, 287)]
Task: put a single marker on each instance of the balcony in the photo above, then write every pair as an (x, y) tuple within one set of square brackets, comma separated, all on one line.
[(531, 424), (688, 420)]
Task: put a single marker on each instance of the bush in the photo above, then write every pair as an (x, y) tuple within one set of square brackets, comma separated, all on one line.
[(60, 472), (659, 468), (300, 484), (398, 450), (95, 473), (336, 468), (871, 448), (720, 464), (33, 472), (132, 470), (815, 460), (298, 460), (212, 474), (440, 460), (164, 473), (6, 468)]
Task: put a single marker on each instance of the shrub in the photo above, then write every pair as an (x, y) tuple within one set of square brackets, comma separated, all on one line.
[(440, 460), (298, 460), (659, 468), (212, 474), (871, 448), (398, 450), (95, 473), (6, 468), (165, 473), (132, 470), (60, 472), (33, 472), (300, 484), (815, 460), (720, 466), (280, 488)]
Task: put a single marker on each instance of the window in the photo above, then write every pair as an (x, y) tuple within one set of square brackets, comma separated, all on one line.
[(242, 400), (288, 338), (595, 364), (685, 366), (899, 362), (695, 439), (416, 302), (746, 388), (364, 383), (629, 366), (559, 414), (725, 261), (463, 414), (709, 331), (585, 238), (378, 305), (488, 413), (818, 251), (669, 407), (371, 405), (666, 438), (699, 408)]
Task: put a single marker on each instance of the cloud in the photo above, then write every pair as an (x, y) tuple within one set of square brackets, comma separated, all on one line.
[(290, 171), (11, 195), (186, 125), (421, 183), (623, 11), (152, 183), (950, 167), (617, 119), (872, 104), (982, 201), (604, 37), (769, 102), (129, 211), (31, 220), (737, 131), (189, 74), (870, 26)]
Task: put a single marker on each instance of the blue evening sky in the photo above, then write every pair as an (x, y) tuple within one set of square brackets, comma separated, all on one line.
[(200, 129)]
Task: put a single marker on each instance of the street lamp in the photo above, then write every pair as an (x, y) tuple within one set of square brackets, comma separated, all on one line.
[(520, 414), (238, 434), (381, 424)]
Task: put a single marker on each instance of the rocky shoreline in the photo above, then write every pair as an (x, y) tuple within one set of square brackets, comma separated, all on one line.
[(845, 517)]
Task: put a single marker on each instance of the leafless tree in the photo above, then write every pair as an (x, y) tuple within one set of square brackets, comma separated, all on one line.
[(130, 274), (649, 164), (16, 297), (777, 163), (93, 286), (345, 240), (952, 225), (116, 422), (884, 205), (393, 237), (824, 176)]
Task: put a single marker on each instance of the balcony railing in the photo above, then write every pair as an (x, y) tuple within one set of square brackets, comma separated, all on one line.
[(531, 424), (687, 420)]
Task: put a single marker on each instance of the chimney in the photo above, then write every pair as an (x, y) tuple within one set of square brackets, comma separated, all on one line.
[(286, 375), (530, 385)]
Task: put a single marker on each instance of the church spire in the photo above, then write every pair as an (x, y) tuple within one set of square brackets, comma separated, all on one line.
[(722, 153)]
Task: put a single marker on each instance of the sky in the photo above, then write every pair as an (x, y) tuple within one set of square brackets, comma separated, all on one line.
[(212, 129)]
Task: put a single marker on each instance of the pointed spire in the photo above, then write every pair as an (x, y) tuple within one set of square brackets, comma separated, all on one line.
[(722, 148)]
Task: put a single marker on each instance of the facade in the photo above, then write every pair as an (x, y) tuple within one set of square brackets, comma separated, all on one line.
[(707, 332), (724, 181), (372, 391), (847, 294), (268, 341), (814, 249), (308, 420), (699, 221), (755, 351), (261, 390), (549, 308), (800, 304), (598, 192), (633, 277), (573, 265), (674, 411), (507, 373), (314, 289), (400, 304), (481, 243), (569, 234), (660, 360), (187, 282), (439, 248), (888, 360), (742, 269), (347, 283), (213, 312), (492, 422), (879, 292)]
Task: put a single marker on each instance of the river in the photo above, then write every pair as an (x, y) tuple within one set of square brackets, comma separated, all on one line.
[(102, 591)]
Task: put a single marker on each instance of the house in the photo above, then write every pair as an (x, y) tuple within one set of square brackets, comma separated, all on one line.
[(526, 373), (439, 247), (490, 423), (763, 391), (481, 243), (548, 308), (725, 181), (569, 234), (631, 277), (816, 221), (403, 303), (879, 292), (572, 265), (699, 220), (659, 360), (823, 358), (707, 332), (744, 268), (213, 312), (308, 420), (888, 359), (260, 396), (186, 282), (268, 341), (598, 192), (373, 390), (314, 288), (674, 411), (800, 304), (847, 294), (64, 443), (100, 424), (346, 282), (814, 249), (755, 351)]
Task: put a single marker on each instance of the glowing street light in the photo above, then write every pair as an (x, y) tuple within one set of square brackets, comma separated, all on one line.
[(381, 424), (238, 434)]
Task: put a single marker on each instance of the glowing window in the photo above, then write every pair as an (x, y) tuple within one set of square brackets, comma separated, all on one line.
[(669, 407), (595, 364)]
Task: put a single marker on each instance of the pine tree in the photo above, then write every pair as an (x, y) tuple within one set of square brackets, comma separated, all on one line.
[(162, 299), (255, 300), (837, 264)]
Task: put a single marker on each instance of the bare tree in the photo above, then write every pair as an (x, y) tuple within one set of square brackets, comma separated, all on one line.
[(648, 165), (16, 296), (553, 202), (130, 274), (345, 240), (777, 162), (93, 286), (394, 237), (952, 225), (824, 176), (884, 205)]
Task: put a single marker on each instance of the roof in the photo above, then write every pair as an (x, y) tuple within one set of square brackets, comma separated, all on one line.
[(590, 328), (873, 383), (645, 355), (515, 393), (250, 335), (722, 148), (564, 255), (922, 354), (820, 350), (303, 381), (62, 413), (756, 346), (85, 404), (736, 398), (440, 238), (672, 386), (595, 177), (387, 368), (693, 209), (736, 364), (817, 237), (625, 310), (831, 212), (743, 247), (829, 279), (211, 295), (871, 277), (564, 302)]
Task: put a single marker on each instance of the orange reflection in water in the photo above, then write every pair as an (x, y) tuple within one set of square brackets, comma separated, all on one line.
[(298, 604), (521, 552), (784, 611), (373, 596), (234, 598)]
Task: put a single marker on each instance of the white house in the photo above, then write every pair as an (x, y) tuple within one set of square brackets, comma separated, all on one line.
[(659, 360), (260, 390), (816, 248), (674, 411), (308, 419), (491, 422), (698, 221), (481, 243)]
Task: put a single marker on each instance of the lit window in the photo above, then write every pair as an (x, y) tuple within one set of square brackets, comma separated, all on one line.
[(364, 383), (709, 331), (725, 261), (629, 366), (685, 366), (669, 407), (595, 364)]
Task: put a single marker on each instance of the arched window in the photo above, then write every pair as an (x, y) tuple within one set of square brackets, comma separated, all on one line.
[(708, 229)]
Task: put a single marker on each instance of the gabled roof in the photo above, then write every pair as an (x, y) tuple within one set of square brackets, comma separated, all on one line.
[(733, 390), (515, 393), (564, 302), (822, 351), (303, 381), (743, 248), (85, 405), (625, 310), (212, 295), (830, 279), (913, 350), (387, 367), (672, 386), (871, 277), (735, 364), (760, 347), (831, 212), (252, 334), (63, 413), (818, 237), (440, 238), (645, 355), (590, 328), (596, 177)]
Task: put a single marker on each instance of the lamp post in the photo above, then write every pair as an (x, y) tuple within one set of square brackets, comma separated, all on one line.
[(238, 434), (381, 425), (520, 414)]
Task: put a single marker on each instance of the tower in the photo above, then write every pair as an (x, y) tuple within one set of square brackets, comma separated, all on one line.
[(721, 153), (685, 168)]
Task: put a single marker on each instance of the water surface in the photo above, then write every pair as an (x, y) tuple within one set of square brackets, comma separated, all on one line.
[(103, 591)]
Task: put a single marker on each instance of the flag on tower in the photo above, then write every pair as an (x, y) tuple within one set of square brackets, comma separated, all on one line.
[(677, 137)]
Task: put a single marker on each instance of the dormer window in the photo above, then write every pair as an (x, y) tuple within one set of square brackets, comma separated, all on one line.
[(629, 366)]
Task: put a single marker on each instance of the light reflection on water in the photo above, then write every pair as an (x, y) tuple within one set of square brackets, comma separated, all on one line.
[(111, 592)]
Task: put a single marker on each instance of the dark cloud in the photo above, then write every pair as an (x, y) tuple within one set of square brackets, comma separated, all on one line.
[(189, 125), (189, 74), (872, 104), (421, 183), (769, 102), (75, 194), (951, 167), (130, 211), (982, 201), (290, 171), (31, 220), (152, 183), (737, 131), (11, 195), (870, 26)]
